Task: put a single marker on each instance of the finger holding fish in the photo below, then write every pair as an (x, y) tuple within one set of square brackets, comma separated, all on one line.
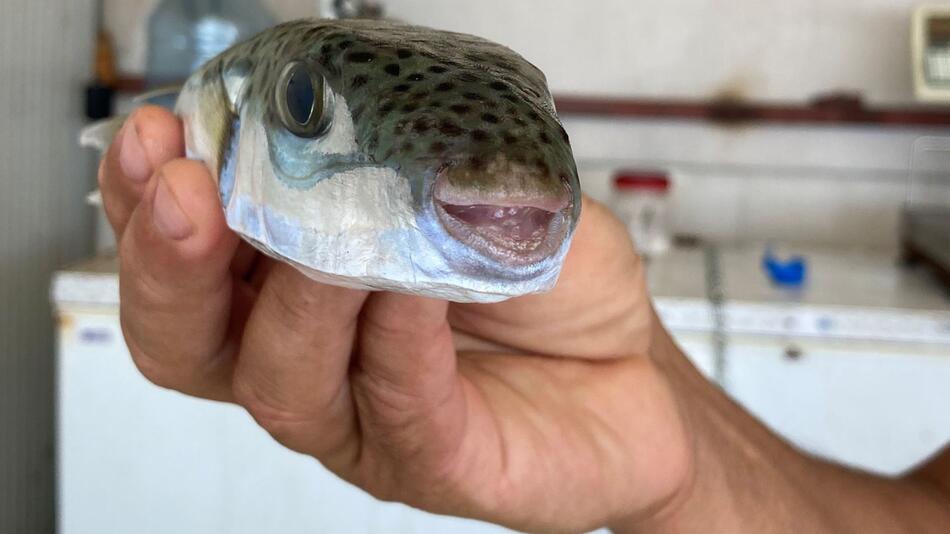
[(148, 139)]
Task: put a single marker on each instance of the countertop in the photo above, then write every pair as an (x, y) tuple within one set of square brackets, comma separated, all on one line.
[(859, 278)]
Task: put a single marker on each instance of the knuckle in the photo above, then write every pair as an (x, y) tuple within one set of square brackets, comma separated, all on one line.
[(392, 402), (293, 307), (406, 331), (281, 423), (299, 302), (164, 363), (153, 370)]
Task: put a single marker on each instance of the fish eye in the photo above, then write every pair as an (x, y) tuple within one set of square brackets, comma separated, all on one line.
[(302, 100)]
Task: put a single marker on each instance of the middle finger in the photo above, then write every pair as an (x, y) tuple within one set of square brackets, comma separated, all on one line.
[(292, 369)]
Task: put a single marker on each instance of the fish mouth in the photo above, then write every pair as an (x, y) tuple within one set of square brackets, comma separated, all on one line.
[(515, 229)]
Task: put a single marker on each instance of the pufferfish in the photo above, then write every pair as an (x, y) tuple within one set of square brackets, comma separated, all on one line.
[(382, 156)]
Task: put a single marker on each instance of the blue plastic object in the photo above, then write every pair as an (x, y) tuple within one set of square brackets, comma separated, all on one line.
[(790, 273)]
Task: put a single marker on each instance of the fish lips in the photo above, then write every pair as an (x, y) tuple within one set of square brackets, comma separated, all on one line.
[(511, 229)]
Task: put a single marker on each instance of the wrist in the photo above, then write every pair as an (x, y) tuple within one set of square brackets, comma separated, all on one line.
[(742, 477), (674, 369)]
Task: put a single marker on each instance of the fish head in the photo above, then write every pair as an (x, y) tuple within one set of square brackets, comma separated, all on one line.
[(387, 156)]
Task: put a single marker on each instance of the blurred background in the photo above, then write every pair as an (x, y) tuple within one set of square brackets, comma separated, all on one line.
[(783, 166)]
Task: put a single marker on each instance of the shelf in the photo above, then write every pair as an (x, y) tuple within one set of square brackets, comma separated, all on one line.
[(833, 110)]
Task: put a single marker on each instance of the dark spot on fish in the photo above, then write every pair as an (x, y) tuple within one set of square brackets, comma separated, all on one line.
[(533, 115), (360, 57), (422, 125), (461, 109), (409, 108), (416, 77), (438, 147), (477, 163), (438, 69), (392, 69), (344, 45), (499, 86), (542, 165), (357, 113), (509, 138), (467, 77), (450, 129), (386, 109), (435, 104), (402, 88), (358, 81), (545, 138), (407, 146), (479, 135), (402, 53), (444, 87), (325, 49), (490, 118), (472, 96)]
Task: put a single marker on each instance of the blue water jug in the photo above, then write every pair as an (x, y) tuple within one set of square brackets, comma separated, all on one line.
[(184, 34)]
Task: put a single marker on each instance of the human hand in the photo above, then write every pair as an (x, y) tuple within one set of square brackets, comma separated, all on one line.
[(545, 413)]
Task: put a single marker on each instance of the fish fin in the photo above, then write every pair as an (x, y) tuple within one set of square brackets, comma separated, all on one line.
[(94, 198), (99, 135), (162, 96)]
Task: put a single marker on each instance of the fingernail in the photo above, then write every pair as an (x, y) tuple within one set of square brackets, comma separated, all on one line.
[(132, 157), (170, 220)]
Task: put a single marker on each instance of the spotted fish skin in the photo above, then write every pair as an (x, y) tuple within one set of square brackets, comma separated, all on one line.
[(467, 124)]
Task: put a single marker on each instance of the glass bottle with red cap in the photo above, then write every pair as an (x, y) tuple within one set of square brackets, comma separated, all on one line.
[(641, 200)]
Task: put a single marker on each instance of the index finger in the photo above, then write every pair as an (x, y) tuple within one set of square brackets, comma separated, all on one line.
[(150, 137)]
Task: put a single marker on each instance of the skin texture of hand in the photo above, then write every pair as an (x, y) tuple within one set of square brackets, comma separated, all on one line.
[(562, 412)]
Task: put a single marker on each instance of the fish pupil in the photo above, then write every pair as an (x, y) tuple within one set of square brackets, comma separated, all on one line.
[(300, 96)]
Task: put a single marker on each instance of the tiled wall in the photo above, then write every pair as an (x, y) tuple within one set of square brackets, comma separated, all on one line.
[(841, 186), (773, 49), (834, 185)]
